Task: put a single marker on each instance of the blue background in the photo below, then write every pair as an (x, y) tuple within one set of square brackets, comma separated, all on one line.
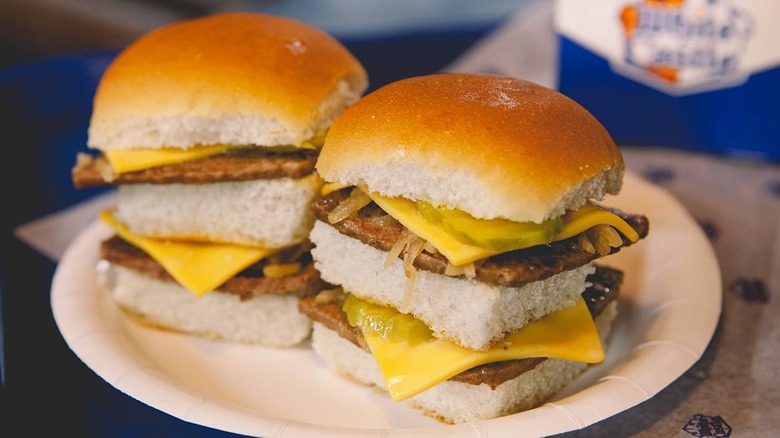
[(739, 122)]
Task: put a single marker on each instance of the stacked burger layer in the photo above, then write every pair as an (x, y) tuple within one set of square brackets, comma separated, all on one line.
[(210, 130), (460, 220)]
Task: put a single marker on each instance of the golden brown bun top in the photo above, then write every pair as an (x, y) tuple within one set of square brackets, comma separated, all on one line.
[(229, 64), (494, 146)]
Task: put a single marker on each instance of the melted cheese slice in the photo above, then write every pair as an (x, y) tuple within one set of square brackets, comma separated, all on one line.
[(411, 369), (405, 211), (198, 266), (123, 161), (589, 216), (329, 188), (459, 253)]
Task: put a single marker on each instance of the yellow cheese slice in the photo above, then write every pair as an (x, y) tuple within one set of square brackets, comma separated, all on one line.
[(459, 253), (411, 369), (329, 188), (311, 145), (589, 216), (198, 266), (405, 211), (123, 161)]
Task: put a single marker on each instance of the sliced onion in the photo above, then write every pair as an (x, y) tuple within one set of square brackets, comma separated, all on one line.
[(469, 270), (398, 246), (600, 241), (413, 249), (430, 249), (105, 170), (356, 200), (452, 270), (82, 160), (613, 237), (384, 220), (328, 295), (411, 278), (585, 243), (604, 238)]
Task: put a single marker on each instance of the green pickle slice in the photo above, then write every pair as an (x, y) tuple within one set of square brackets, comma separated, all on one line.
[(387, 322), (429, 212), (492, 234)]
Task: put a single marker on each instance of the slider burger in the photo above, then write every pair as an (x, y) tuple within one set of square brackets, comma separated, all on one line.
[(460, 221), (210, 129)]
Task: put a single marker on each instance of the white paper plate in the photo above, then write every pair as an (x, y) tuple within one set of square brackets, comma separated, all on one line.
[(669, 307)]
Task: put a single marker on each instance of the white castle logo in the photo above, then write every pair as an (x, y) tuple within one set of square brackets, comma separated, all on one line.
[(684, 46)]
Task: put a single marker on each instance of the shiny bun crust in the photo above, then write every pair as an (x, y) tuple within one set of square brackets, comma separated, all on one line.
[(492, 146), (234, 78)]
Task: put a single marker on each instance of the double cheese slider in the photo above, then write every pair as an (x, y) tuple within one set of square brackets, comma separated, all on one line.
[(210, 129), (460, 221)]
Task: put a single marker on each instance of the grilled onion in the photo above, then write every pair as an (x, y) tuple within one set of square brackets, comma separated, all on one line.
[(356, 200)]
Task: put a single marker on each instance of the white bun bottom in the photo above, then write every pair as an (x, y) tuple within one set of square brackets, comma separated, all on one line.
[(269, 320)]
